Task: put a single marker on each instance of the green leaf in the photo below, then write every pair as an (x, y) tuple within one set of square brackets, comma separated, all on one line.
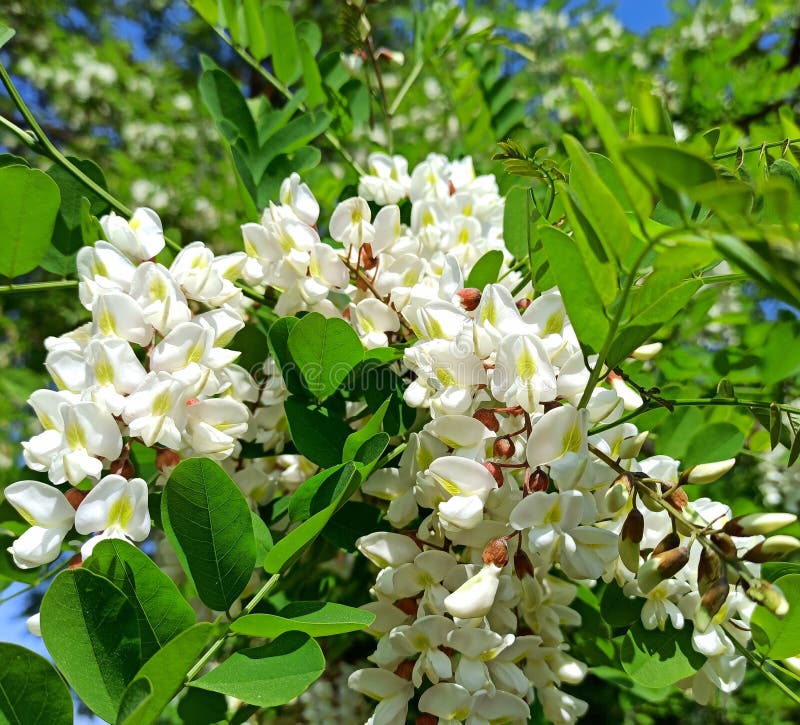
[(256, 36), (208, 522), (73, 189), (669, 164), (278, 338), (370, 452), (713, 442), (779, 638), (283, 44), (202, 707), (90, 630), (577, 285), (161, 611), (352, 521), (356, 439), (228, 108), (29, 201), (6, 34), (31, 691), (617, 609), (316, 433), (270, 675), (486, 270), (656, 659), (263, 536), (312, 79), (325, 351), (597, 202), (317, 619), (516, 222), (319, 491), (291, 546), (775, 425), (135, 702), (166, 673)]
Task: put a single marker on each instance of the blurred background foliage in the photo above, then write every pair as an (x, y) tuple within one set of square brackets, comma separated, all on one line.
[(117, 82)]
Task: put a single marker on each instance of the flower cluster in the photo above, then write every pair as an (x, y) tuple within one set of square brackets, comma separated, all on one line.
[(150, 366)]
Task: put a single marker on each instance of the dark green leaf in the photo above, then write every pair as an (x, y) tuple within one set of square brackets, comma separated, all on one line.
[(775, 425), (161, 611), (166, 673), (354, 520), (31, 691), (269, 675), (319, 435), (29, 201), (516, 222), (202, 707), (618, 609), (325, 351), (228, 108), (713, 442), (319, 491), (356, 439), (135, 702), (208, 522), (90, 630), (318, 619)]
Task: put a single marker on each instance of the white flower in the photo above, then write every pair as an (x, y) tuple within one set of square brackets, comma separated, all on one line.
[(388, 180), (523, 374), (161, 300), (117, 508), (141, 238), (156, 410), (81, 434), (388, 549), (102, 268), (392, 691), (556, 433), (423, 638), (193, 270), (296, 195), (449, 702), (372, 320), (115, 372), (214, 425), (50, 515), (116, 314), (475, 597), (350, 223)]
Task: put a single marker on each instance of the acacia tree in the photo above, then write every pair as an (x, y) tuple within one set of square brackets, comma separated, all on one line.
[(408, 403)]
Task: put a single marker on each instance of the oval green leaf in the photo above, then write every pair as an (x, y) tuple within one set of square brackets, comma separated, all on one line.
[(656, 659), (779, 638), (317, 619)]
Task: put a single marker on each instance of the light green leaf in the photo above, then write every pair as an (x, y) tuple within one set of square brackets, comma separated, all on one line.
[(227, 106), (713, 442), (29, 201), (160, 609), (6, 34), (779, 638), (90, 630), (318, 619), (656, 659), (208, 522), (31, 691), (256, 36), (674, 166), (516, 222), (270, 675), (356, 439), (283, 43), (486, 270), (577, 285), (325, 351), (319, 491), (165, 672)]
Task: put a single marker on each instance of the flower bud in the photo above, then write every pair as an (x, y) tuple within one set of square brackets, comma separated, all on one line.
[(724, 542), (709, 570), (630, 538), (123, 467), (488, 418), (522, 564), (75, 496), (710, 603), (495, 470), (662, 566), (670, 541), (426, 719), (76, 562), (753, 524), (503, 448), (707, 472), (470, 298), (650, 496), (496, 552), (524, 304), (33, 624), (647, 352), (775, 547), (408, 605), (677, 498), (617, 496), (538, 480), (405, 669), (769, 596), (167, 459), (630, 447)]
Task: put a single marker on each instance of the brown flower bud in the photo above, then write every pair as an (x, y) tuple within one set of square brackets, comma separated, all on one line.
[(366, 258), (166, 459), (426, 719), (539, 480), (407, 605), (772, 549), (724, 542), (75, 496), (503, 448), (769, 596), (633, 526), (677, 498), (753, 524), (709, 570), (470, 298), (404, 669), (123, 467), (488, 418), (524, 304), (495, 470), (662, 566), (522, 564), (670, 541), (496, 552), (76, 562), (710, 603)]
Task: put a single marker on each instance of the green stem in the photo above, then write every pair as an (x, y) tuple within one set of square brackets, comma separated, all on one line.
[(8, 289), (21, 134), (257, 597), (286, 93), (720, 278), (406, 87), (751, 149), (49, 149), (764, 671)]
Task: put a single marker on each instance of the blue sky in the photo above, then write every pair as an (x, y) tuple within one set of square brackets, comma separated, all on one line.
[(640, 15)]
